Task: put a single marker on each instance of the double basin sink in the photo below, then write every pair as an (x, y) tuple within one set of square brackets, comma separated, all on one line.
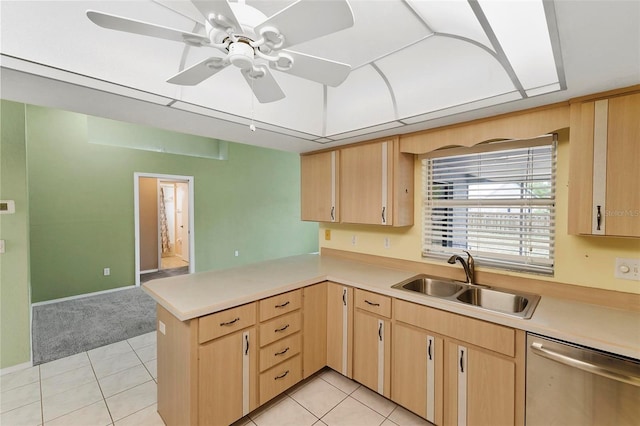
[(507, 302)]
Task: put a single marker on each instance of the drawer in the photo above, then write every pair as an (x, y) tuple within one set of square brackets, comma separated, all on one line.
[(280, 327), (280, 378), (484, 334), (373, 302), (279, 351), (280, 304), (225, 322)]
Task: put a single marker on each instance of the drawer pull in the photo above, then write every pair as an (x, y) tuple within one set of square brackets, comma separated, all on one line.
[(282, 352), (283, 304), (233, 321), (371, 303), (278, 330), (282, 376)]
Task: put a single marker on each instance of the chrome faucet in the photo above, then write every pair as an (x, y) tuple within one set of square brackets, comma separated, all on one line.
[(468, 265)]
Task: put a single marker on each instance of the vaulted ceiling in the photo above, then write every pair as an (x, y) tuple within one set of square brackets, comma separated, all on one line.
[(415, 64)]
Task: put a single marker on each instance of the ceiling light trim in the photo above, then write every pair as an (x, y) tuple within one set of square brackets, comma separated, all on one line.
[(500, 54), (394, 51), (389, 88), (554, 37), (418, 15)]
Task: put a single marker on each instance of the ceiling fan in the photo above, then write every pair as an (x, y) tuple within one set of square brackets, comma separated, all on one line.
[(252, 41)]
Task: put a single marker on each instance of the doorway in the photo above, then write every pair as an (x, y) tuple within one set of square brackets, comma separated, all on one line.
[(164, 235)]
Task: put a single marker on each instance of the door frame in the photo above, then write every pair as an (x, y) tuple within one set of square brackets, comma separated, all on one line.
[(136, 214)]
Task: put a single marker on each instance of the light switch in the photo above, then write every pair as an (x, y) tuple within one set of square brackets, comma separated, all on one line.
[(162, 327), (627, 269), (1, 246)]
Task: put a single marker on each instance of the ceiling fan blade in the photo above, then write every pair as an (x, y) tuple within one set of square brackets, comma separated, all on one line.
[(199, 72), (266, 88), (308, 19), (312, 68), (120, 23), (221, 10)]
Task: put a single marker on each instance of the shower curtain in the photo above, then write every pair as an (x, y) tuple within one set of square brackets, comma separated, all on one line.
[(164, 226)]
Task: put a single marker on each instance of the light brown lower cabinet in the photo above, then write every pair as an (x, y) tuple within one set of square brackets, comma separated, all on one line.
[(340, 328), (448, 368), (371, 352), (480, 387), (417, 371), (227, 379)]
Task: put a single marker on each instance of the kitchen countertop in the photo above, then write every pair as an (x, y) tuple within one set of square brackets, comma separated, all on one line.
[(194, 295)]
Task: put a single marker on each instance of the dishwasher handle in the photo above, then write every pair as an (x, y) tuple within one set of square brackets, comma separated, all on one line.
[(585, 366)]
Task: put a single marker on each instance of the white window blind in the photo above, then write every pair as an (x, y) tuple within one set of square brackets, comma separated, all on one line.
[(496, 201)]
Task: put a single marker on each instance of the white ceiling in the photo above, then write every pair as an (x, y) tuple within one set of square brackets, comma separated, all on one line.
[(416, 64)]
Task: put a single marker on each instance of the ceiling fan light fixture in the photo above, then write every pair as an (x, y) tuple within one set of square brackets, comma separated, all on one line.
[(241, 55)]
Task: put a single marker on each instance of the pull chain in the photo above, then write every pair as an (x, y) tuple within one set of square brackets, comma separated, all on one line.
[(252, 126)]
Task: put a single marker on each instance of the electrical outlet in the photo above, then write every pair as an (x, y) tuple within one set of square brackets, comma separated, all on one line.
[(387, 242), (1, 246), (162, 327), (627, 269), (327, 234), (106, 272), (354, 240), (236, 253)]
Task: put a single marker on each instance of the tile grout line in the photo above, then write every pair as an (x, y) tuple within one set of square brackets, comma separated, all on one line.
[(100, 387), (41, 396)]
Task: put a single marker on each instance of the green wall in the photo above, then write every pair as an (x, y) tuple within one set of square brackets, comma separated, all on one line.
[(15, 347), (82, 213)]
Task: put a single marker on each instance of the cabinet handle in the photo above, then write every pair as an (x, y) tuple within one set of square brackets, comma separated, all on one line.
[(384, 220), (246, 339), (371, 303), (344, 296), (282, 375), (283, 304), (233, 321), (333, 209), (278, 330), (462, 361), (380, 331), (282, 352), (598, 218), (429, 350)]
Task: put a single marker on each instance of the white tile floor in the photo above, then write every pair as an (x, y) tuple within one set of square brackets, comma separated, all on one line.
[(116, 385)]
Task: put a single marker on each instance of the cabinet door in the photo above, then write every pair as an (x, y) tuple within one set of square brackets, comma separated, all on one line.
[(622, 213), (339, 328), (227, 384), (319, 187), (417, 372), (604, 181), (479, 387), (371, 352), (365, 181)]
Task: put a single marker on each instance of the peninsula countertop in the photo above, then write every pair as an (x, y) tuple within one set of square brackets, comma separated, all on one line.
[(195, 295)]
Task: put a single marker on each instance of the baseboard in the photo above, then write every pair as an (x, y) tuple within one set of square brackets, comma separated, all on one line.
[(82, 296), (14, 368)]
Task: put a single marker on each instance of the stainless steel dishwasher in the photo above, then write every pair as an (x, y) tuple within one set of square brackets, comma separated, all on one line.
[(569, 385)]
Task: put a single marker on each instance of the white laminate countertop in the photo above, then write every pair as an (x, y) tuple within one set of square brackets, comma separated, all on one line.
[(195, 295)]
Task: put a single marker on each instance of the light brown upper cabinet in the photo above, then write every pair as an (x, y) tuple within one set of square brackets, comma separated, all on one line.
[(320, 193), (604, 181), (376, 184)]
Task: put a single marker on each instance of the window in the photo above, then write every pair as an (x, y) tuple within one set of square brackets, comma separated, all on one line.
[(496, 201)]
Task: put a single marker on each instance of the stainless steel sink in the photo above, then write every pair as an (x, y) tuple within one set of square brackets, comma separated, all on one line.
[(431, 286), (494, 300), (501, 301)]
